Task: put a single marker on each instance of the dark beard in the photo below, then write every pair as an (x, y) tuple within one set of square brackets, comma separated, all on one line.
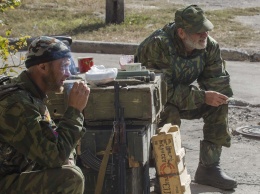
[(51, 82)]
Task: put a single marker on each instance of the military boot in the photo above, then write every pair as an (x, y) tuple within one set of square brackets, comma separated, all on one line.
[(209, 171)]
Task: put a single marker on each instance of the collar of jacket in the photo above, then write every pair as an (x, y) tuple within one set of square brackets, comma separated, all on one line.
[(171, 30), (29, 85)]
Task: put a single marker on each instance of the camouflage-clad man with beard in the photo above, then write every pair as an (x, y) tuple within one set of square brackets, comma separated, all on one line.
[(184, 52), (34, 152)]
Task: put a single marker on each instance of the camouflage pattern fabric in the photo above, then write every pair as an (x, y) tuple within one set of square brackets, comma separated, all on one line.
[(215, 127), (6, 90), (30, 141), (45, 49), (164, 51), (209, 153), (192, 19), (66, 179)]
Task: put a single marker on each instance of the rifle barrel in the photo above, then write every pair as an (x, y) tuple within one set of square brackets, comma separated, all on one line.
[(120, 130)]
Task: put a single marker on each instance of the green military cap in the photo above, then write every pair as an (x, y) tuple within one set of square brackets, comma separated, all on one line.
[(45, 49), (192, 19)]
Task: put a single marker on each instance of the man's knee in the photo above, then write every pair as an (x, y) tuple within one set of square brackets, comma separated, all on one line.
[(67, 179), (73, 173)]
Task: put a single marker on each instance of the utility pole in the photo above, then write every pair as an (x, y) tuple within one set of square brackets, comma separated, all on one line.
[(115, 12)]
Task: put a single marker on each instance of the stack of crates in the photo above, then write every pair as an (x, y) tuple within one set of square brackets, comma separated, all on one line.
[(169, 159), (142, 103)]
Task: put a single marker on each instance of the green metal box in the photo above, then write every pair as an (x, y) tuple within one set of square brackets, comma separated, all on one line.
[(142, 102)]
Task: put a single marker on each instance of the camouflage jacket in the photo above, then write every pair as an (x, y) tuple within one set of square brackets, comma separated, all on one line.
[(163, 50), (29, 139)]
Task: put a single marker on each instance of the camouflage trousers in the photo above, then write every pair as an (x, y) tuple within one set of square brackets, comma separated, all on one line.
[(67, 179), (215, 129)]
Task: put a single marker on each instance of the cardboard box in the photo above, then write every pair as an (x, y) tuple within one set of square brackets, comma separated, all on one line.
[(175, 184), (170, 165)]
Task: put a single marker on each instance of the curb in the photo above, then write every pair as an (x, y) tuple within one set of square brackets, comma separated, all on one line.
[(103, 47), (82, 46)]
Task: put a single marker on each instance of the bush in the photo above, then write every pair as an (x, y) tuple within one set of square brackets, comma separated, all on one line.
[(8, 50)]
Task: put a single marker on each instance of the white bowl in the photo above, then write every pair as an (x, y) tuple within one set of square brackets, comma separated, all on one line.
[(100, 75)]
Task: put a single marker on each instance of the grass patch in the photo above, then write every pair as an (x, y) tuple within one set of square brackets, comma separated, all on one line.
[(85, 20)]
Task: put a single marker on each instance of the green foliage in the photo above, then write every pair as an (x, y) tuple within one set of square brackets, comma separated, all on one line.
[(9, 50), (5, 4)]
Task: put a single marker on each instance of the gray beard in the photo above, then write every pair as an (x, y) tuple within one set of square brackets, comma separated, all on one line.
[(193, 45)]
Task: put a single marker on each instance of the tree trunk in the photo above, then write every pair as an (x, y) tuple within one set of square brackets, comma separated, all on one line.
[(115, 12)]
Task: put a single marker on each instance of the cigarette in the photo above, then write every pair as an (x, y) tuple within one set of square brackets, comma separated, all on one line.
[(231, 101)]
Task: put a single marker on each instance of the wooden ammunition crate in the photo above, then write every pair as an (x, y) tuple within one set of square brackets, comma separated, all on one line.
[(170, 166), (142, 102), (171, 184)]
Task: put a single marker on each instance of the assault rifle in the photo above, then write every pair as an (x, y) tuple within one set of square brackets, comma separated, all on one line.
[(120, 147)]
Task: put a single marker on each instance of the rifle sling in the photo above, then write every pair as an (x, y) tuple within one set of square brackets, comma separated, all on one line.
[(6, 90), (103, 166)]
